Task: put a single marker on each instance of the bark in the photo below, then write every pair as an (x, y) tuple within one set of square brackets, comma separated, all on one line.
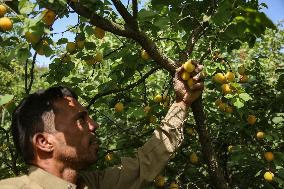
[(215, 170)]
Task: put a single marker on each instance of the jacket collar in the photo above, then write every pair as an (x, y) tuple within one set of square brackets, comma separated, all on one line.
[(47, 180)]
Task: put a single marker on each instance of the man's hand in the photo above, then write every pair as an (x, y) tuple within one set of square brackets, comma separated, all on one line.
[(184, 93)]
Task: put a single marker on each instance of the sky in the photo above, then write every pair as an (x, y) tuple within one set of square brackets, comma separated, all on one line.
[(275, 12)]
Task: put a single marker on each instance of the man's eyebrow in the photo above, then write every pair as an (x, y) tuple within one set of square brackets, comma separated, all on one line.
[(80, 114)]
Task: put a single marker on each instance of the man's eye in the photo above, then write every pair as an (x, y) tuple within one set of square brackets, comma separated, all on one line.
[(82, 121)]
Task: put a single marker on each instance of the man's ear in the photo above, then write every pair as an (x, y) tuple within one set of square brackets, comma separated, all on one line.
[(42, 142)]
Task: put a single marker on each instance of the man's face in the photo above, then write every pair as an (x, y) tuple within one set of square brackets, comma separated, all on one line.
[(74, 139)]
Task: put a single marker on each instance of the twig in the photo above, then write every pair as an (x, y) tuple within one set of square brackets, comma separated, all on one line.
[(26, 76), (65, 30), (169, 39), (115, 50), (28, 88), (122, 89)]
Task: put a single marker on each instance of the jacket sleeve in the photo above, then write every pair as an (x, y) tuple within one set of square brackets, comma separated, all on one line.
[(151, 159)]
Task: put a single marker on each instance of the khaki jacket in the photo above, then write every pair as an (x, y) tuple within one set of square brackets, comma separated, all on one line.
[(132, 173)]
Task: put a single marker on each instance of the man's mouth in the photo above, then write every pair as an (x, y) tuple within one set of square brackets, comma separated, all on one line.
[(93, 140)]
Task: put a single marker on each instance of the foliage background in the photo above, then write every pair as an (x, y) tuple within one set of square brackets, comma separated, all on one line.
[(233, 36)]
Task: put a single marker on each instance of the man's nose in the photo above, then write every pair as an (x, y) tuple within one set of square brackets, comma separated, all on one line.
[(93, 125)]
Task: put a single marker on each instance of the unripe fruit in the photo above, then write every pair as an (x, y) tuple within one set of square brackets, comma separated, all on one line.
[(269, 156), (65, 58), (108, 157), (241, 70), (144, 55), (160, 181), (6, 24), (218, 102), (49, 17), (40, 47), (185, 76), (152, 119), (71, 47), (99, 57), (222, 106), (230, 76), (80, 44), (90, 60), (3, 10), (32, 38), (188, 66), (230, 148), (251, 119), (190, 131), (119, 107), (268, 176), (158, 98), (173, 185), (147, 109), (260, 135), (166, 98), (190, 82), (244, 78), (219, 78), (99, 33), (193, 158), (226, 89), (40, 51), (229, 109)]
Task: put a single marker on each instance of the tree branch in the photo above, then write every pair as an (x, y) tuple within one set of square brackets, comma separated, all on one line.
[(13, 5), (101, 22), (138, 36), (135, 9), (196, 34), (154, 52), (97, 96), (129, 20), (216, 172)]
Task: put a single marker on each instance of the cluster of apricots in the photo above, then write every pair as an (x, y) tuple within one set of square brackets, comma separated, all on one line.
[(186, 75), (6, 23), (40, 44), (226, 80), (160, 182)]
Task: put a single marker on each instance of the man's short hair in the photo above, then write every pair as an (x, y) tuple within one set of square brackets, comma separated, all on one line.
[(30, 118)]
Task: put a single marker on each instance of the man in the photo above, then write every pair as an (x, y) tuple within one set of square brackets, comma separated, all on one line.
[(56, 137)]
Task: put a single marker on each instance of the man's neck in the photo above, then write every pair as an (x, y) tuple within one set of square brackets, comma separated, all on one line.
[(60, 170)]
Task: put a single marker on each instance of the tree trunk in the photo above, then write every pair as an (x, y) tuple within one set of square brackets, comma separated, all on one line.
[(215, 171)]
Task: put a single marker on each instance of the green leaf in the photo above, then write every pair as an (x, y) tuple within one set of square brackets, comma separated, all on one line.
[(144, 14), (277, 120), (245, 96), (62, 41), (229, 96), (4, 99), (238, 103), (25, 6), (23, 54), (280, 82), (162, 23), (223, 13), (264, 5)]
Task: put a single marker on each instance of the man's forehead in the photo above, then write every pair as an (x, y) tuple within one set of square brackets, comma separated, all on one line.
[(69, 103)]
